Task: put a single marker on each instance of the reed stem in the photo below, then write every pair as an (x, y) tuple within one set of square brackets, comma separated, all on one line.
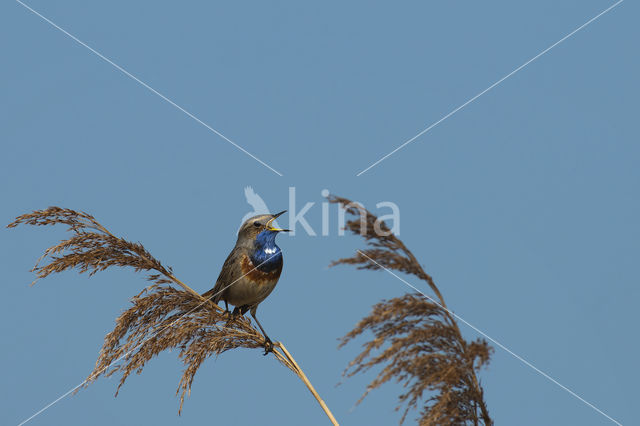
[(306, 381)]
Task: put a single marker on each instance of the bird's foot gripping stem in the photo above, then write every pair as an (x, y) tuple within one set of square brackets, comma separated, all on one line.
[(268, 345), (231, 316)]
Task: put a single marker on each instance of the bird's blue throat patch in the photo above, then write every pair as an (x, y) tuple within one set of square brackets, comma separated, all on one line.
[(266, 253)]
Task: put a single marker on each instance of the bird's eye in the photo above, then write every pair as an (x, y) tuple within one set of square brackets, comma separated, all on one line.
[(256, 224)]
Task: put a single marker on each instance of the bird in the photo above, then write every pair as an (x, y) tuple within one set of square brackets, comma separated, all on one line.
[(251, 271)]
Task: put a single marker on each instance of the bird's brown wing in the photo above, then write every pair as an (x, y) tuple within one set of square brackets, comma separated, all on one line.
[(231, 271)]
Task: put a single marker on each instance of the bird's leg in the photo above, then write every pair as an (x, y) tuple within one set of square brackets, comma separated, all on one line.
[(232, 315), (268, 344), (227, 312)]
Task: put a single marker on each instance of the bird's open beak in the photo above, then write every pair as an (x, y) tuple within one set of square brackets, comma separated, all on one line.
[(275, 216)]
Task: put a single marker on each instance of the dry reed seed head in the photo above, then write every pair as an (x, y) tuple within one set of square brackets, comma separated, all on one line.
[(416, 341), (161, 316)]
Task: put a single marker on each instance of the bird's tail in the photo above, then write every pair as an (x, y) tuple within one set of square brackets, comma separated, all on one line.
[(209, 295)]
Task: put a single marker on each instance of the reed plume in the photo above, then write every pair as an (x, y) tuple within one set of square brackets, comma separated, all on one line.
[(416, 339), (161, 317)]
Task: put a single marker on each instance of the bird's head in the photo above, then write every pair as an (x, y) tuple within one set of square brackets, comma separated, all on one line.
[(256, 225)]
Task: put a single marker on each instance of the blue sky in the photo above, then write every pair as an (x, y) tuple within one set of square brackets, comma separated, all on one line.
[(523, 205)]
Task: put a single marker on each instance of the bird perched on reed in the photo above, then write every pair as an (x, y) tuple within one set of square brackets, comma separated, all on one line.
[(251, 270)]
